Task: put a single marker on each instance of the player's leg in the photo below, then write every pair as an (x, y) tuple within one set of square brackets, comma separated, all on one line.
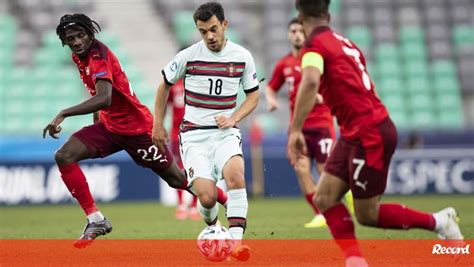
[(206, 192), (308, 188), (89, 142), (229, 164), (331, 187), (146, 154), (181, 212), (369, 181)]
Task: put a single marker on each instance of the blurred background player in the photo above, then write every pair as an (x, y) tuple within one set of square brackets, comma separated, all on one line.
[(318, 127), (176, 100), (334, 66), (122, 122), (211, 144)]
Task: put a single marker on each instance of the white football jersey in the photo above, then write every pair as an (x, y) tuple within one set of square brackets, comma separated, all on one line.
[(211, 80)]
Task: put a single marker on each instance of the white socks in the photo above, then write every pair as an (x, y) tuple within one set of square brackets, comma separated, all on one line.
[(95, 217), (237, 207), (209, 215)]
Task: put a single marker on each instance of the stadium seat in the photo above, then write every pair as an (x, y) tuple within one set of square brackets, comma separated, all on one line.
[(421, 103), (184, 28), (418, 85), (400, 118), (394, 102), (390, 86), (386, 52), (443, 68), (423, 119), (448, 101), (388, 69), (446, 84), (451, 118), (416, 69), (413, 51), (463, 35), (361, 36), (411, 34)]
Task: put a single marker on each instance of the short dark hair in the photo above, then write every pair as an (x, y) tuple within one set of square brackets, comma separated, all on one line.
[(207, 10), (78, 22), (313, 8), (294, 21)]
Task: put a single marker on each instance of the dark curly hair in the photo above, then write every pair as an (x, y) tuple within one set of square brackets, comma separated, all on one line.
[(76, 21)]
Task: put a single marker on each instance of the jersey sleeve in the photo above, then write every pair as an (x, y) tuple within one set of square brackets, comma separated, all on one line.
[(277, 78), (313, 56), (175, 69), (249, 77), (101, 69)]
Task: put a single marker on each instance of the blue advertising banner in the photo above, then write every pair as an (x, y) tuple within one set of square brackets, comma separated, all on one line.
[(119, 178)]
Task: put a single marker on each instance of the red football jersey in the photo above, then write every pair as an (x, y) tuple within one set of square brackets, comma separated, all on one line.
[(345, 84), (288, 69), (126, 115), (176, 99)]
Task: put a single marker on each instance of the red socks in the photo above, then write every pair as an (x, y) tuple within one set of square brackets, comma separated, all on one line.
[(398, 216), (180, 196), (340, 223), (221, 197), (309, 199), (76, 183)]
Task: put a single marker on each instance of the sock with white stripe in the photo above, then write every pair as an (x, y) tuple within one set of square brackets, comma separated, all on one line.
[(237, 207)]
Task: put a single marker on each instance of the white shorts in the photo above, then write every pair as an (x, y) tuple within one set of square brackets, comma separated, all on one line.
[(205, 152)]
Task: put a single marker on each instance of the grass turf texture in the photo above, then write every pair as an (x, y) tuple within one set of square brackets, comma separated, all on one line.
[(270, 218)]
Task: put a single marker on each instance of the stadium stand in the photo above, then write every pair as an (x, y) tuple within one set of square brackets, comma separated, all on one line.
[(420, 55)]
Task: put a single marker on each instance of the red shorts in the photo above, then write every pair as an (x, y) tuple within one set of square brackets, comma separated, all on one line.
[(100, 142), (364, 163), (319, 142)]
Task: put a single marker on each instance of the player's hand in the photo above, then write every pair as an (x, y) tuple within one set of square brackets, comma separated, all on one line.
[(296, 146), (224, 122), (160, 137), (53, 128), (272, 104)]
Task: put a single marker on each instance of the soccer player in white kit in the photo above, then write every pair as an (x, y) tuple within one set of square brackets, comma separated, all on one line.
[(211, 148)]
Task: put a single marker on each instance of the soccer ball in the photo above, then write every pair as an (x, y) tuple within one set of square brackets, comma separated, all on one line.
[(215, 243)]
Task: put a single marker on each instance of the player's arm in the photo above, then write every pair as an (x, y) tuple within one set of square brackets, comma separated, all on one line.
[(313, 67), (249, 104), (270, 96), (159, 135), (102, 99), (307, 96)]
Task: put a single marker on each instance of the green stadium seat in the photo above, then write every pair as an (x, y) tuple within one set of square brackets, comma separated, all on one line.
[(390, 86), (233, 35), (443, 68), (463, 35), (418, 85), (388, 69), (411, 34), (386, 52), (8, 25), (414, 51), (446, 84), (361, 36), (185, 28), (416, 69), (448, 100), (451, 118), (421, 103), (109, 39), (400, 118), (335, 6), (423, 119), (394, 102)]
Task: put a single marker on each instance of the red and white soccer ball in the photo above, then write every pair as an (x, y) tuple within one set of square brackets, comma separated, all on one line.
[(215, 243)]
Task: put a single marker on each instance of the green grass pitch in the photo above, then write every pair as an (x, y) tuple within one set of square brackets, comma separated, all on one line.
[(269, 218)]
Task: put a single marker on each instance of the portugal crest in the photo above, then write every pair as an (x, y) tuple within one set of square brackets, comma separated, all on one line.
[(231, 69)]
